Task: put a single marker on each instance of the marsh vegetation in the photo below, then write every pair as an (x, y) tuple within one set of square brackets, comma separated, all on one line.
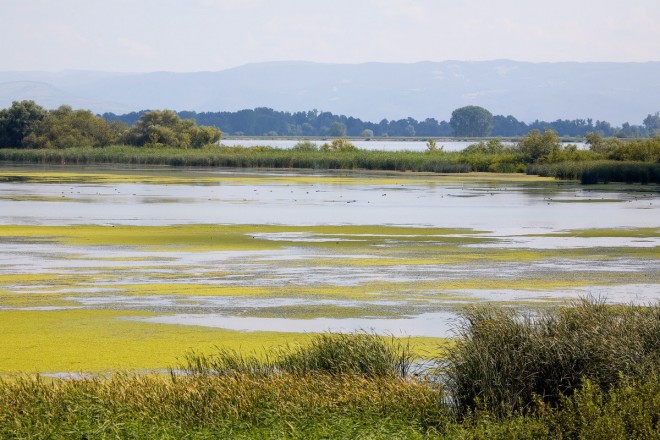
[(108, 269), (508, 376), (30, 134)]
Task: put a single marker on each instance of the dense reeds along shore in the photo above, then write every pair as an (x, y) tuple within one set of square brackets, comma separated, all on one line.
[(633, 161), (588, 371)]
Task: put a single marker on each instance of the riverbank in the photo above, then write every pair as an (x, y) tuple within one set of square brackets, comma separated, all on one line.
[(589, 169)]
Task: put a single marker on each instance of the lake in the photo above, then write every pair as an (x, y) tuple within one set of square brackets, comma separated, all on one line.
[(264, 252), (373, 144)]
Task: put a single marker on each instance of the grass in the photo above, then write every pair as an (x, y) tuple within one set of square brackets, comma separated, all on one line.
[(594, 172), (631, 162), (505, 361), (205, 407), (363, 354), (267, 157), (245, 158), (87, 340), (358, 386)]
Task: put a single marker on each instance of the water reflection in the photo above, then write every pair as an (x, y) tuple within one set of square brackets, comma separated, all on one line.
[(427, 324), (503, 209)]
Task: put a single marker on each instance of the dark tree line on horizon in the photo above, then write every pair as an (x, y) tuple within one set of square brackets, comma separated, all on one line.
[(263, 121)]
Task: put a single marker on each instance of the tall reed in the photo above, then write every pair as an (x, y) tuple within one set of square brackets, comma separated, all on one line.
[(505, 360), (364, 354), (592, 172)]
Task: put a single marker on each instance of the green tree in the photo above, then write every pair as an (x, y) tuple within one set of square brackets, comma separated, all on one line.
[(410, 130), (339, 145), (432, 146), (65, 127), (537, 146), (471, 121), (337, 129), (18, 121), (367, 133), (165, 128), (652, 124)]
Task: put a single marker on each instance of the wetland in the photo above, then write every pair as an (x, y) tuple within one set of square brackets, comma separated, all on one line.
[(105, 268)]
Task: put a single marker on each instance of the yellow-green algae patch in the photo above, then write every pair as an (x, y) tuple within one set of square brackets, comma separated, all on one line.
[(162, 177), (100, 340), (12, 300), (198, 289), (628, 233), (28, 198), (97, 340), (223, 237), (605, 233)]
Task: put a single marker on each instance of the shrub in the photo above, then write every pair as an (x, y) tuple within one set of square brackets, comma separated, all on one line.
[(305, 146), (505, 360), (339, 145)]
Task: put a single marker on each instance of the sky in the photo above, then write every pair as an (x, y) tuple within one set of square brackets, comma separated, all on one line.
[(212, 35)]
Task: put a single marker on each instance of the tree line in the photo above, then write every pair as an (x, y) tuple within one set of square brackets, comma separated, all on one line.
[(28, 125), (263, 121)]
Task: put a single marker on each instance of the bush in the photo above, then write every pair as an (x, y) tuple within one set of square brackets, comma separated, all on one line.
[(305, 146), (505, 360), (537, 146), (339, 145)]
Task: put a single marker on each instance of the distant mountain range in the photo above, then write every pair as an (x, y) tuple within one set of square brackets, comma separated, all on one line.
[(614, 92)]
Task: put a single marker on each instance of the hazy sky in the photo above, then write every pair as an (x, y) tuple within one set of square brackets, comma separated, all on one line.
[(194, 35)]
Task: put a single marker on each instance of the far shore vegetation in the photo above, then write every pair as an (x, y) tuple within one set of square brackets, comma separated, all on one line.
[(31, 134)]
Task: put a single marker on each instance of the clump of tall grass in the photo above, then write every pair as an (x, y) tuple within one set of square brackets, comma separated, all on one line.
[(506, 360), (628, 410), (592, 172), (238, 406), (363, 354)]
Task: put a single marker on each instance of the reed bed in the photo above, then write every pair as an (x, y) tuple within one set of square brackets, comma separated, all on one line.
[(267, 157), (593, 172), (506, 161), (236, 157), (506, 361), (363, 354), (583, 372), (240, 405)]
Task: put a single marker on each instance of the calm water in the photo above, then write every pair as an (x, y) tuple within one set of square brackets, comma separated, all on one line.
[(505, 211), (374, 144), (500, 208)]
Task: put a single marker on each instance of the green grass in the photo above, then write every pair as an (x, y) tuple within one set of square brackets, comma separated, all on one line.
[(326, 391), (505, 361), (268, 157), (594, 172), (363, 354)]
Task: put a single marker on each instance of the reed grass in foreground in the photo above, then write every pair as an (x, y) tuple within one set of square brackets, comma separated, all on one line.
[(362, 354), (584, 372), (506, 361)]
